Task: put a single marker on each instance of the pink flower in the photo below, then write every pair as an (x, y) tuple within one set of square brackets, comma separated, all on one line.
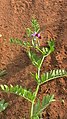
[(36, 34)]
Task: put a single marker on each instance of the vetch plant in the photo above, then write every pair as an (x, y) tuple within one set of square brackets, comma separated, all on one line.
[(37, 54)]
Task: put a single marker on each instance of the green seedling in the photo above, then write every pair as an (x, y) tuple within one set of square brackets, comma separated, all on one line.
[(37, 54), (3, 105)]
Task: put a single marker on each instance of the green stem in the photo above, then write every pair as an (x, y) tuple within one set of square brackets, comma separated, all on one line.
[(34, 100), (36, 88), (32, 109), (38, 73), (41, 63)]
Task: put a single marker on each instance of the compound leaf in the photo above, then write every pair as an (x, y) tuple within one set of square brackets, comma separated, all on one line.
[(16, 41), (38, 109), (45, 50), (34, 58), (47, 100), (52, 75), (35, 25), (19, 91), (51, 44), (29, 32)]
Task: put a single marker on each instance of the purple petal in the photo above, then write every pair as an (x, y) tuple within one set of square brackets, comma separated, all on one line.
[(34, 34)]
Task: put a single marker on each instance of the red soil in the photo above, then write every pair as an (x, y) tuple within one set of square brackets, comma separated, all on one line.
[(15, 16)]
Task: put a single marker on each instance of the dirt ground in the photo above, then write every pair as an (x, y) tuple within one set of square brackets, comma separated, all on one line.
[(15, 17)]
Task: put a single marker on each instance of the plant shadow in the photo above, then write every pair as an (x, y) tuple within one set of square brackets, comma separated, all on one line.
[(17, 64)]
